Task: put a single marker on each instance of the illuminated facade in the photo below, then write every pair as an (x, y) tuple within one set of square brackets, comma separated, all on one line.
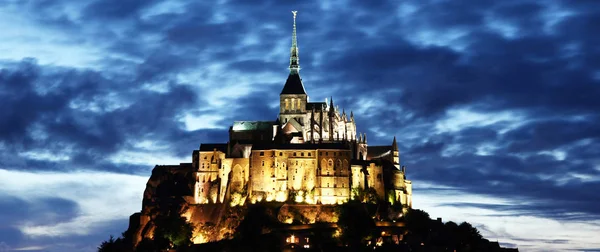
[(311, 152)]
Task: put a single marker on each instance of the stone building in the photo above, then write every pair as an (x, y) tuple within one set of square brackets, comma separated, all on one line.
[(311, 152)]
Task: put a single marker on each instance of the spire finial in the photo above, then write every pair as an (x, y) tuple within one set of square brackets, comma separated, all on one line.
[(294, 60)]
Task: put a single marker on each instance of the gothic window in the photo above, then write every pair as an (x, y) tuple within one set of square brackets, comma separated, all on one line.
[(263, 163), (287, 104), (299, 104), (330, 163), (293, 103)]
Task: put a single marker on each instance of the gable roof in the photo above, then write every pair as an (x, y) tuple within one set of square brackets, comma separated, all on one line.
[(252, 125), (293, 85)]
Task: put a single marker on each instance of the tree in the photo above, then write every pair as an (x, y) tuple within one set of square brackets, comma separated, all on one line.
[(355, 223), (418, 223), (174, 229), (112, 245)]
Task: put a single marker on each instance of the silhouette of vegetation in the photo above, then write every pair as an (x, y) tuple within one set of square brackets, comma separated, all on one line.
[(355, 223), (112, 245)]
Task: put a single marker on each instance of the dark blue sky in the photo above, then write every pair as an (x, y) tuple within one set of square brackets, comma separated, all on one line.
[(494, 103)]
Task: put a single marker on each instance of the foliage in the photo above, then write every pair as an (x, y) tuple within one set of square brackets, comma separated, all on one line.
[(368, 195), (112, 245), (174, 229), (256, 222), (355, 223)]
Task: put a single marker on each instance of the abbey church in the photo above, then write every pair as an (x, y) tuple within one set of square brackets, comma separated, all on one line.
[(311, 153)]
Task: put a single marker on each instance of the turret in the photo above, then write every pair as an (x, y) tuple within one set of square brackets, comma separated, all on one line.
[(396, 154)]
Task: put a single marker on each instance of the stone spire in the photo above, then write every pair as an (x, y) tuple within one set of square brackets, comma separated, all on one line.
[(293, 84), (394, 145), (294, 60)]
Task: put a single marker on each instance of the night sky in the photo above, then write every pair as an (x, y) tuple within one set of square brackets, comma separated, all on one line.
[(494, 104)]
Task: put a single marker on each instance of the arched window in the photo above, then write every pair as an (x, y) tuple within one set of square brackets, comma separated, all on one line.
[(330, 163), (293, 103), (299, 104), (287, 104)]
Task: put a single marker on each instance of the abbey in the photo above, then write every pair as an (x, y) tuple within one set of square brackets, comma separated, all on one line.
[(311, 154)]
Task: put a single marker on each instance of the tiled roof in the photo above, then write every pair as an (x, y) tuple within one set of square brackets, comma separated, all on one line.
[(378, 151), (307, 146), (252, 125), (317, 105), (210, 147)]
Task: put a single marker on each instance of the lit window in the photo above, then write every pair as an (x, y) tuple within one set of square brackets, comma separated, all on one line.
[(287, 104), (299, 104)]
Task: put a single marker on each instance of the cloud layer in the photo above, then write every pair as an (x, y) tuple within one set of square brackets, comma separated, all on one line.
[(495, 100)]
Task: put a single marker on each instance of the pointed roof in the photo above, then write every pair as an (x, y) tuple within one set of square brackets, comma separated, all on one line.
[(394, 145), (293, 84)]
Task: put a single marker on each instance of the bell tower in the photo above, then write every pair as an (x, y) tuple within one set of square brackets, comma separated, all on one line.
[(293, 97)]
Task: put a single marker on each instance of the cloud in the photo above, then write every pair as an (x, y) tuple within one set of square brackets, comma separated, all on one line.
[(496, 99), (73, 204)]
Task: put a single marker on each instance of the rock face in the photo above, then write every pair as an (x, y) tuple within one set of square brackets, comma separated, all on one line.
[(166, 184)]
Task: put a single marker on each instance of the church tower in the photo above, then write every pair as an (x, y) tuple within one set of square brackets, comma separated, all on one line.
[(293, 97)]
